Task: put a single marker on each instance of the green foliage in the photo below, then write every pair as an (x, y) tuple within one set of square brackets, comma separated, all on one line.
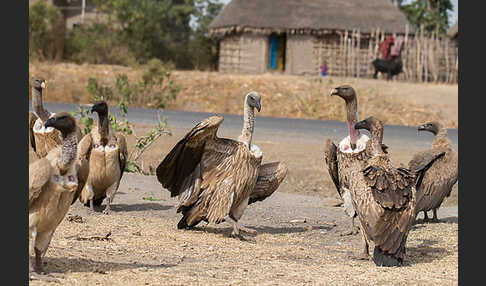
[(97, 43), (46, 31), (124, 93), (204, 48), (432, 14)]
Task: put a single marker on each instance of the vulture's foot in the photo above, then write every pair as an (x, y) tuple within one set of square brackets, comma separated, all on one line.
[(247, 230), (353, 231), (51, 277), (107, 210)]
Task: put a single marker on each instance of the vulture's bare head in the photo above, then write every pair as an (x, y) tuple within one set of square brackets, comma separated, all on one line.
[(39, 83), (371, 124), (433, 127), (100, 107), (253, 99), (346, 92), (62, 121)]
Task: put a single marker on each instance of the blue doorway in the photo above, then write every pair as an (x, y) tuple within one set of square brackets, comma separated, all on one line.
[(276, 52)]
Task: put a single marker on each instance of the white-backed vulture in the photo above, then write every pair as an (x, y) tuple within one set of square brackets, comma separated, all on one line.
[(53, 181), (384, 198), (353, 151), (441, 176), (106, 152), (215, 177), (43, 139)]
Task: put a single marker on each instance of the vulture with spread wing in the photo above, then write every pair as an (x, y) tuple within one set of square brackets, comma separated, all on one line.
[(384, 198), (441, 176), (352, 153), (216, 178)]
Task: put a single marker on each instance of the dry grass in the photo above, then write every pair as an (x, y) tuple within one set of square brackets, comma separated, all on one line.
[(150, 251), (398, 103)]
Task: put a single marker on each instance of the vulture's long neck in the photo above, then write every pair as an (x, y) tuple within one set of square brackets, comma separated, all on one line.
[(352, 118), (38, 106), (376, 140), (103, 127), (69, 149), (248, 124), (441, 139)]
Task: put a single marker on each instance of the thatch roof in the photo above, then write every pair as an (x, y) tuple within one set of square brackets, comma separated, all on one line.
[(453, 31), (308, 16)]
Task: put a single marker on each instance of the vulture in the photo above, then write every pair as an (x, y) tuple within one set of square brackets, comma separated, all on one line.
[(43, 139), (106, 152), (53, 181), (441, 176), (384, 198), (352, 153), (216, 178)]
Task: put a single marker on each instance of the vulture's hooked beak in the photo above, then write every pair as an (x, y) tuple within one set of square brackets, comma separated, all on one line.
[(422, 128), (44, 84), (362, 125), (49, 122), (333, 91)]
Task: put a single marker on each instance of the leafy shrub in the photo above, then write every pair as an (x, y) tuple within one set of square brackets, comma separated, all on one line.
[(46, 31), (97, 43)]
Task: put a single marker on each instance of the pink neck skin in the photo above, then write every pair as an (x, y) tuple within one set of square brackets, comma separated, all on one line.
[(353, 134)]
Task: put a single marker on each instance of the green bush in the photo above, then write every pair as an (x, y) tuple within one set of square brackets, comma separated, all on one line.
[(97, 43), (46, 31)]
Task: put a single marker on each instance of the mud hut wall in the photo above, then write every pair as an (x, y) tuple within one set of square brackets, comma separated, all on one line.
[(300, 57), (244, 53)]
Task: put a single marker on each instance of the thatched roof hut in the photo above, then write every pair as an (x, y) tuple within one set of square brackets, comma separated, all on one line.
[(298, 36), (308, 17)]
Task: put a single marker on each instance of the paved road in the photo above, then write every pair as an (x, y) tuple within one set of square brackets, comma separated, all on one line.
[(269, 127)]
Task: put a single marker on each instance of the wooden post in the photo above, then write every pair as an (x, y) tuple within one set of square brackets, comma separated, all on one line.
[(358, 66), (405, 53)]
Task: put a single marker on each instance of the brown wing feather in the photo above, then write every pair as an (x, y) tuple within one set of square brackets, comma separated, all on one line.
[(39, 174), (122, 145), (32, 119), (270, 176), (84, 147), (181, 161), (330, 156), (229, 175), (83, 172), (391, 188)]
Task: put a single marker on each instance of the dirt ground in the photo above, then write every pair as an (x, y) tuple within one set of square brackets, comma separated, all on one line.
[(395, 102), (299, 235), (299, 228)]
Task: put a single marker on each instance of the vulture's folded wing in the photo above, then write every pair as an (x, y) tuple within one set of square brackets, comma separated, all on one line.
[(32, 119), (391, 188), (422, 161), (330, 156), (182, 160), (123, 152), (84, 147), (83, 172), (39, 174), (270, 176)]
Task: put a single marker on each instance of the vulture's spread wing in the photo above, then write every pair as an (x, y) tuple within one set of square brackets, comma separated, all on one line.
[(39, 174), (186, 155), (270, 176)]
